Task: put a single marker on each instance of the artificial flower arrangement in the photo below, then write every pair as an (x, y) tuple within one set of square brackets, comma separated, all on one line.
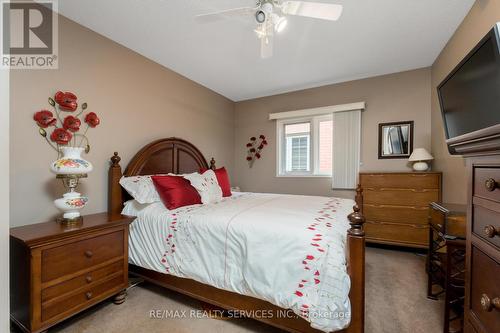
[(66, 129), (254, 149)]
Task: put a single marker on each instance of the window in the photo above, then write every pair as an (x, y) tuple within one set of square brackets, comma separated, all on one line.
[(305, 146)]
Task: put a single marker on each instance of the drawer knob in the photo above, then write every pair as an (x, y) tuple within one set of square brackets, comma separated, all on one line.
[(88, 254), (88, 279), (490, 184), (88, 295), (490, 231), (489, 304)]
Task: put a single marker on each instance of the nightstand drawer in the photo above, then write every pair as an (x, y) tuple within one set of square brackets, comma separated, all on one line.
[(93, 294), (69, 258), (82, 281)]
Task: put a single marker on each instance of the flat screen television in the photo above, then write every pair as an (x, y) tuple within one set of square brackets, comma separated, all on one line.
[(470, 94)]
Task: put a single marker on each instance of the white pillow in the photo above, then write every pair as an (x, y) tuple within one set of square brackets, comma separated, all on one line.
[(133, 208), (207, 186), (141, 188)]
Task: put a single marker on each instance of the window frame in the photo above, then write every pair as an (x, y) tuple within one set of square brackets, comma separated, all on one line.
[(313, 148)]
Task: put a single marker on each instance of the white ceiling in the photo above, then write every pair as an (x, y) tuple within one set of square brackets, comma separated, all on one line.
[(371, 38)]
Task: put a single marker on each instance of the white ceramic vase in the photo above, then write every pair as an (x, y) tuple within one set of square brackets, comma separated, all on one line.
[(71, 163)]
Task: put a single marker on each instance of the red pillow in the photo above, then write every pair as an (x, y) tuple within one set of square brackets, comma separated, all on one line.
[(223, 180), (175, 191)]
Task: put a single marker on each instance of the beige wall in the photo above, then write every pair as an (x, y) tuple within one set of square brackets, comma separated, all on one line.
[(481, 18), (138, 101), (395, 97)]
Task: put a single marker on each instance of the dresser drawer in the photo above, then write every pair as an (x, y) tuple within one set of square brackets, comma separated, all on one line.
[(485, 273), (82, 281), (88, 296), (396, 214), (486, 224), (396, 233), (401, 197), (410, 180), (486, 183), (69, 258)]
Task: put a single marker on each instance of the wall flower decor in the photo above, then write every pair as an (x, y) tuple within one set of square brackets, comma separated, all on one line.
[(64, 123), (254, 149)]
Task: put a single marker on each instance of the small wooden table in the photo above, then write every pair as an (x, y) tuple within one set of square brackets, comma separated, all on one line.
[(446, 260), (59, 270)]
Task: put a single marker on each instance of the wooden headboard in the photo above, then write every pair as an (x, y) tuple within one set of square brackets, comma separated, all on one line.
[(170, 155)]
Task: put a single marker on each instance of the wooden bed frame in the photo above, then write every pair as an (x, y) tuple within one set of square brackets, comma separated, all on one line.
[(174, 155)]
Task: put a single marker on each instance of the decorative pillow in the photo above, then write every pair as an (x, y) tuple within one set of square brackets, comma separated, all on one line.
[(223, 180), (175, 191), (141, 188), (207, 186), (133, 208)]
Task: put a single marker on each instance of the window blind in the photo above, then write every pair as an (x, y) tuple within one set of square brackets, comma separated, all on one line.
[(346, 149)]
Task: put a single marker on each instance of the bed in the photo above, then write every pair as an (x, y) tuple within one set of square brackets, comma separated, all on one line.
[(243, 215)]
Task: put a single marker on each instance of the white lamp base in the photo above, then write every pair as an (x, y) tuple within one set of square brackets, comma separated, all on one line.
[(420, 166)]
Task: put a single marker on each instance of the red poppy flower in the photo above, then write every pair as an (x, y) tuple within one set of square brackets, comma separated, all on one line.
[(249, 145), (252, 150), (44, 118), (253, 138), (66, 101), (257, 155), (262, 137), (264, 142), (249, 158), (92, 119), (261, 146), (72, 123), (61, 136)]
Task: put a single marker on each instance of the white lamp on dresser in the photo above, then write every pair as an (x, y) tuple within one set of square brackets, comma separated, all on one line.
[(420, 157)]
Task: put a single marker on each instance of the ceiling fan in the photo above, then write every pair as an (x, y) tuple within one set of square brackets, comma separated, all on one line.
[(271, 17)]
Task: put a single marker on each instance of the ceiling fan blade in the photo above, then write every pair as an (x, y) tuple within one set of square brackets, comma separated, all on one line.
[(226, 13), (318, 10), (266, 46)]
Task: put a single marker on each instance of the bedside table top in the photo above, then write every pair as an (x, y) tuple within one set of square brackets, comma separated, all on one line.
[(35, 234)]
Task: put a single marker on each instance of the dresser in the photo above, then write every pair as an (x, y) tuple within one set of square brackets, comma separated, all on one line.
[(482, 297), (396, 206), (57, 271)]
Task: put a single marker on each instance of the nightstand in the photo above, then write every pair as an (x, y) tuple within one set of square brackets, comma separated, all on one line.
[(57, 271)]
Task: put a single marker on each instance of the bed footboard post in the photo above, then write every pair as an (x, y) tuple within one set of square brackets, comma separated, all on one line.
[(114, 189), (356, 270), (359, 198), (212, 164)]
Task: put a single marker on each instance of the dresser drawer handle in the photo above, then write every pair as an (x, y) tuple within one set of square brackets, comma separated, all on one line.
[(489, 304), (490, 231), (88, 279), (88, 295), (490, 184), (88, 254)]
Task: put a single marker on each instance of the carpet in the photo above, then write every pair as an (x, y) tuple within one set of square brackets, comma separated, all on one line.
[(395, 303)]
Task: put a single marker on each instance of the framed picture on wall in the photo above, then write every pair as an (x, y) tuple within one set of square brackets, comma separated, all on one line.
[(395, 140)]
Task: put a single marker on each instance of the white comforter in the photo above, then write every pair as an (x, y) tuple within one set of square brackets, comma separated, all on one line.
[(286, 249)]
